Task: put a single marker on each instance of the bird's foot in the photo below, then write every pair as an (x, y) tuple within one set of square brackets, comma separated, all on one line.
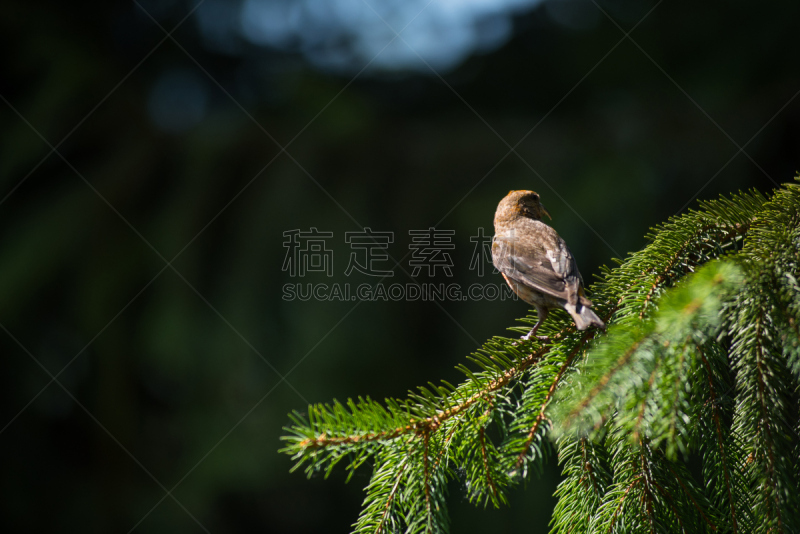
[(544, 339), (532, 334), (528, 337)]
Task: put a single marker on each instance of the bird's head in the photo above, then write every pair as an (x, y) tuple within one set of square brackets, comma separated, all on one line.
[(518, 204)]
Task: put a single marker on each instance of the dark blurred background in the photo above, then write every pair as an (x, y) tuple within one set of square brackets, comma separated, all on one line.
[(142, 261)]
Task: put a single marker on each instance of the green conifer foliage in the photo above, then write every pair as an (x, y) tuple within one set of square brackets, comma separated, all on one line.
[(701, 360)]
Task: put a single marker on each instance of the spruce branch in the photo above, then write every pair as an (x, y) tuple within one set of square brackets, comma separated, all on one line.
[(701, 359), (717, 442)]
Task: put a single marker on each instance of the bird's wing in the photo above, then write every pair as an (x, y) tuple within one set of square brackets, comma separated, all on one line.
[(564, 265), (549, 269)]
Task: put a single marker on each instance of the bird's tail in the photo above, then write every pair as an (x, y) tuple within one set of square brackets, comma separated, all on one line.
[(584, 317)]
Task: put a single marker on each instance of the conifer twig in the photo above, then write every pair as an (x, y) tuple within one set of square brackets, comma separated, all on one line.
[(539, 418), (718, 428)]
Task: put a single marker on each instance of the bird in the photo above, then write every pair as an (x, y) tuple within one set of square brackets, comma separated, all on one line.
[(536, 263)]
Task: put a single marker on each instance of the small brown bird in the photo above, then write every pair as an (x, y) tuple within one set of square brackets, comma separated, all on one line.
[(536, 262)]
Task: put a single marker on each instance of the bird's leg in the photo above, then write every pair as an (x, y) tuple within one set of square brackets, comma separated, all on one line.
[(541, 312)]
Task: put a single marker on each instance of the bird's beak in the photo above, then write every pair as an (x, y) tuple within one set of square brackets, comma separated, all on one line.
[(545, 211)]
